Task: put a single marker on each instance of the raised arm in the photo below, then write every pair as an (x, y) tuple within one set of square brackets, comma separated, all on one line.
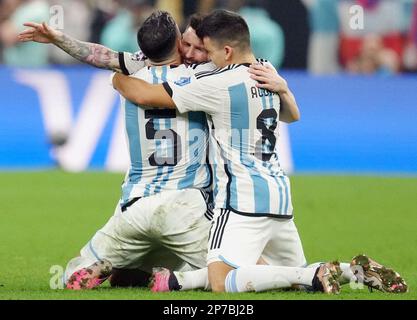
[(91, 53), (142, 93), (269, 79)]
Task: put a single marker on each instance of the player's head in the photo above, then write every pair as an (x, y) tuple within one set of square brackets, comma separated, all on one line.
[(192, 48), (225, 36), (159, 37)]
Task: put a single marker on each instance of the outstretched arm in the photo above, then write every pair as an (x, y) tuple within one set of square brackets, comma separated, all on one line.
[(270, 80), (91, 53), (142, 93)]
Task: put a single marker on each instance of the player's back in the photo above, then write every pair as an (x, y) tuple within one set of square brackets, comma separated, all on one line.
[(245, 123), (167, 150)]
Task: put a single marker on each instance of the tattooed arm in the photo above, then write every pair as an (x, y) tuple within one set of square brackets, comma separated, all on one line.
[(91, 53)]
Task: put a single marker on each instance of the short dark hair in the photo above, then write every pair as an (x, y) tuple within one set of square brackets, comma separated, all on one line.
[(158, 35), (195, 21), (225, 27)]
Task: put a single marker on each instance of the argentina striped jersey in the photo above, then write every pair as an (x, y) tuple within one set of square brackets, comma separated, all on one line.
[(168, 150), (244, 125)]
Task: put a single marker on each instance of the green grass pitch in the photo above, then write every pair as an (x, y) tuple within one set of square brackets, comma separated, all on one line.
[(46, 217)]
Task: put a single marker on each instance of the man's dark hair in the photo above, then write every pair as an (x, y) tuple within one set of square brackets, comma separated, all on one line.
[(158, 35), (225, 27), (195, 21)]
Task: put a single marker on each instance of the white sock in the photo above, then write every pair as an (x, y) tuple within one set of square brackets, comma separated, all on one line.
[(190, 280), (347, 274), (261, 278)]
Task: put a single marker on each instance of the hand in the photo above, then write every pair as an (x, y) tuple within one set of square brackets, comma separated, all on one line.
[(41, 33), (268, 78)]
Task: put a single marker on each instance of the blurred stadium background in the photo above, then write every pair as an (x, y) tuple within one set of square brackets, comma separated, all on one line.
[(353, 155)]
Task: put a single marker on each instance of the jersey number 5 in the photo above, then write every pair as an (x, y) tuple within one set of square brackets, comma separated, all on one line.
[(170, 157)]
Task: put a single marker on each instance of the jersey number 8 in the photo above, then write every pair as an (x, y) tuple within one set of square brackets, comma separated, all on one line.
[(266, 123)]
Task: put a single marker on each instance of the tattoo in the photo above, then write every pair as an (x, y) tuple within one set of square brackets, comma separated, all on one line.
[(91, 53)]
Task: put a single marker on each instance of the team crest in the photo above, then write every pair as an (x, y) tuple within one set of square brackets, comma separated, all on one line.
[(183, 81)]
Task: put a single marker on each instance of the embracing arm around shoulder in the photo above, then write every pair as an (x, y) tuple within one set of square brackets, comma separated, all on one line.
[(143, 93), (189, 95), (270, 80)]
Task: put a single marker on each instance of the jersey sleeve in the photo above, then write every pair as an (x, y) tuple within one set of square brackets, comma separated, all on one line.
[(192, 94), (131, 63)]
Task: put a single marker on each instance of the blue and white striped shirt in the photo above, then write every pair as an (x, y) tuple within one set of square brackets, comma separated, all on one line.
[(244, 122), (168, 150)]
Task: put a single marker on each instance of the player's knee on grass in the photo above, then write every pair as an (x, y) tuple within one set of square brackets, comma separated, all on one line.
[(217, 272), (125, 278)]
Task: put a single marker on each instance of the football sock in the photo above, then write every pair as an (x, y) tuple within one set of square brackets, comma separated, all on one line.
[(191, 280), (261, 278)]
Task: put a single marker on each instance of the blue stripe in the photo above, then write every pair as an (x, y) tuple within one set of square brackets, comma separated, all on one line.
[(198, 144), (260, 187), (154, 76), (286, 195), (228, 262), (239, 117), (240, 124), (133, 133), (233, 281), (262, 194), (164, 73)]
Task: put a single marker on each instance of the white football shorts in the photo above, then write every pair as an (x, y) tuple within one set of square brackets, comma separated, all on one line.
[(240, 240), (168, 229)]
